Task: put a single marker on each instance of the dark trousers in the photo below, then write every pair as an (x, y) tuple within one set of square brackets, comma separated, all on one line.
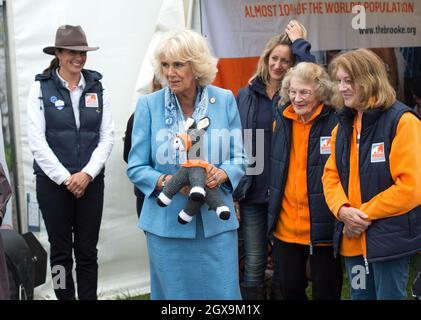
[(289, 271), (253, 226), (72, 224)]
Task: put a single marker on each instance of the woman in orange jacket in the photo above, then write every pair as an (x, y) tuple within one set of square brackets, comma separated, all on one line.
[(299, 217), (372, 180)]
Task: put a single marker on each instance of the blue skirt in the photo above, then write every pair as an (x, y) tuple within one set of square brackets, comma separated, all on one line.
[(194, 269)]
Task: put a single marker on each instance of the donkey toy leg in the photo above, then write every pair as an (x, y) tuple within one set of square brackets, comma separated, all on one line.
[(178, 181), (214, 201), (192, 208), (197, 178)]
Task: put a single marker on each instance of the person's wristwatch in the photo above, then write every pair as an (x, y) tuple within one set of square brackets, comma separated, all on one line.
[(164, 181)]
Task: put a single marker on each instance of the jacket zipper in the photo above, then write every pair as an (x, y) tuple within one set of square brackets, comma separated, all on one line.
[(364, 245)]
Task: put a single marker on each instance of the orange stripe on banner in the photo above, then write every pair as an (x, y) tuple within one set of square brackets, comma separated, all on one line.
[(234, 73)]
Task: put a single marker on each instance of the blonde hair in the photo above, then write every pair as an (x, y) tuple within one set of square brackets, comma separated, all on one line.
[(280, 39), (369, 77), (308, 72), (187, 46)]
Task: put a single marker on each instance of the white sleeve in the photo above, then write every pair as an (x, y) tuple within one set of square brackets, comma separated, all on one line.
[(106, 140), (43, 155)]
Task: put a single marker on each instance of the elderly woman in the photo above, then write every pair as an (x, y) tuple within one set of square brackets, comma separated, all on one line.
[(299, 218), (197, 260), (256, 103), (372, 181)]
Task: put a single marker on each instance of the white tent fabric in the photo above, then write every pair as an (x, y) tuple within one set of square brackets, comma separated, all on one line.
[(171, 17), (123, 31), (7, 220)]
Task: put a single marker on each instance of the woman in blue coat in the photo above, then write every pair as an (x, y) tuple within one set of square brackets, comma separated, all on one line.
[(197, 260)]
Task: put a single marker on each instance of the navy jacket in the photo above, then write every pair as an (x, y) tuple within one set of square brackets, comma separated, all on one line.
[(73, 147), (321, 218), (247, 102), (387, 238)]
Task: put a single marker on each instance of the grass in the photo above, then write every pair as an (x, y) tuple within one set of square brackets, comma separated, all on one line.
[(141, 297), (127, 296)]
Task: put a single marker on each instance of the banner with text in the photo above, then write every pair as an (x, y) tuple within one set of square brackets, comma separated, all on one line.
[(239, 29)]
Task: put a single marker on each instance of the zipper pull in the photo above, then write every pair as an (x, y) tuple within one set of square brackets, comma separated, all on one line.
[(367, 271), (311, 248)]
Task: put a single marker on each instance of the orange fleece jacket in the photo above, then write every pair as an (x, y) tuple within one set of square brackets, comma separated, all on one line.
[(401, 197), (293, 224)]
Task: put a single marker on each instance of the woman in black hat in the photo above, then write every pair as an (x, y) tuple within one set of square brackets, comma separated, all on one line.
[(70, 134)]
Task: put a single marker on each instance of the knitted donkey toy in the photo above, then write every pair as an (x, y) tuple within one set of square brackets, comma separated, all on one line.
[(193, 172)]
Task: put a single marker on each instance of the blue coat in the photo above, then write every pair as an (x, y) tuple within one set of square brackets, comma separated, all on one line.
[(149, 139)]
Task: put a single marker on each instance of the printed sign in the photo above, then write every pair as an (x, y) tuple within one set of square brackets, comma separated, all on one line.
[(240, 28)]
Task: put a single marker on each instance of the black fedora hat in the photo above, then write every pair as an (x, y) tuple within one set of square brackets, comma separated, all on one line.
[(71, 38)]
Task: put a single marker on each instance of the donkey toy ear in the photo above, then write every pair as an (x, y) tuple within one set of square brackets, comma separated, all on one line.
[(189, 124), (203, 124)]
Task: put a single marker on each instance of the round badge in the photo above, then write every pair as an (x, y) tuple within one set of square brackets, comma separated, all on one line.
[(212, 100), (53, 99), (169, 121)]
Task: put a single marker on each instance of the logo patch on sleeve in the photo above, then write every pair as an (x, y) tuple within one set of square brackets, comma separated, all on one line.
[(325, 145), (377, 152)]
